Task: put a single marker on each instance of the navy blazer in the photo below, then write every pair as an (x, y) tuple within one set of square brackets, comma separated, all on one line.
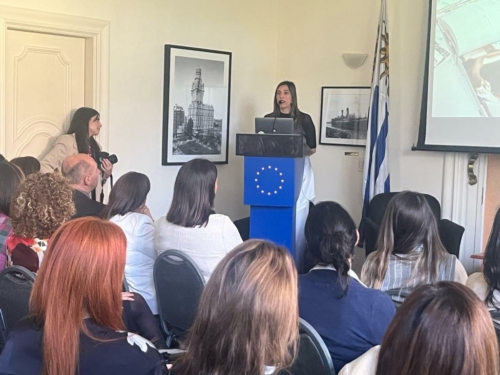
[(349, 325)]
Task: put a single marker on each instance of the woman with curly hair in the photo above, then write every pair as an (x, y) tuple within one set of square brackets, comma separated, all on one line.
[(41, 204)]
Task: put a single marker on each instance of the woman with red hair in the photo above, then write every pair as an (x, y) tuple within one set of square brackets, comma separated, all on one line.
[(76, 325)]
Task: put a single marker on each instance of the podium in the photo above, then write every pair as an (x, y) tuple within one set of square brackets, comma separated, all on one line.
[(273, 172)]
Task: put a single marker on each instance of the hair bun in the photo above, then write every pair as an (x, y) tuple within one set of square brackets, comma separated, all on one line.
[(337, 236)]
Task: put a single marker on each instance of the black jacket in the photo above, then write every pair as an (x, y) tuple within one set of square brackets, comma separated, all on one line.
[(86, 206)]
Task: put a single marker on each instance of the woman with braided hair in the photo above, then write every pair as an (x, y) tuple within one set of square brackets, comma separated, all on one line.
[(350, 317)]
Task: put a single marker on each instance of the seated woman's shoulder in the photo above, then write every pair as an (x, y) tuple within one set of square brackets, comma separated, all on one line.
[(364, 365), (218, 217), (476, 279)]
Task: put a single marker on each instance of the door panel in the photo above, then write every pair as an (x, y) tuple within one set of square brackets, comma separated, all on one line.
[(45, 81)]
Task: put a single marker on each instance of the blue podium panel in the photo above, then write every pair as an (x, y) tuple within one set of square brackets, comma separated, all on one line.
[(277, 225), (271, 181), (271, 188)]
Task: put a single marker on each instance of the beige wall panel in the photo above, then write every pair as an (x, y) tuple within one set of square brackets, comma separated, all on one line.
[(44, 84)]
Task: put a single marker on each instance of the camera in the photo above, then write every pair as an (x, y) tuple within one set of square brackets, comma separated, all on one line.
[(113, 159)]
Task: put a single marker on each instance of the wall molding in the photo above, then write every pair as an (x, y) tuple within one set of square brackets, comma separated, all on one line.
[(464, 204)]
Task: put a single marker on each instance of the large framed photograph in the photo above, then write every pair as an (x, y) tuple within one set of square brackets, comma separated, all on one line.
[(197, 89), (344, 115)]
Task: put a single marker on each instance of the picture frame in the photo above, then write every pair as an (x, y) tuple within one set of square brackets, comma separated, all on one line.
[(344, 115), (196, 105)]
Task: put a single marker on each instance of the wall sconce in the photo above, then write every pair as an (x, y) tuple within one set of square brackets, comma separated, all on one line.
[(354, 60)]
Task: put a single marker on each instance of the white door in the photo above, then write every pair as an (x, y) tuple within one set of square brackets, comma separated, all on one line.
[(45, 83)]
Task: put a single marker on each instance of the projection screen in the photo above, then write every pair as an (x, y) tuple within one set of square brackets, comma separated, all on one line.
[(461, 93)]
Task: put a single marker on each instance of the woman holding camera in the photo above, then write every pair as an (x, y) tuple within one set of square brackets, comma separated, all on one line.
[(84, 126)]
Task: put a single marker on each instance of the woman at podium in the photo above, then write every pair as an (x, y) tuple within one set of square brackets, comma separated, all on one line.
[(285, 105)]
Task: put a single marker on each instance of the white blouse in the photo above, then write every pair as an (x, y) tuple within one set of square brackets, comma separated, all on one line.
[(141, 255), (205, 245)]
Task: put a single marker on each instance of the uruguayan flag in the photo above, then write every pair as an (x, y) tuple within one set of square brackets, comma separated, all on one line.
[(376, 177)]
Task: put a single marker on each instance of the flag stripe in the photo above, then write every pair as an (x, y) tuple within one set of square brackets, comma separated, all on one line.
[(376, 178)]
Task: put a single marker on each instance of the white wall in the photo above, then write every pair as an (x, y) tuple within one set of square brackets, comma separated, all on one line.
[(311, 40), (270, 41), (139, 30)]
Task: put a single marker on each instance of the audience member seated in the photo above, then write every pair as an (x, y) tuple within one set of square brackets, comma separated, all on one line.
[(12, 176), (191, 224), (486, 284), (28, 164), (440, 329), (83, 175), (350, 317), (76, 324), (127, 208), (139, 319), (40, 205), (2, 158), (409, 249), (247, 321)]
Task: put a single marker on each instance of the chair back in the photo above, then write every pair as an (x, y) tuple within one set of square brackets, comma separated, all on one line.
[(398, 295), (179, 284), (16, 283), (313, 357), (450, 233), (379, 203)]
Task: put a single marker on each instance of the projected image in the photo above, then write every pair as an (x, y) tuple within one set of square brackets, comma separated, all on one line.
[(466, 59)]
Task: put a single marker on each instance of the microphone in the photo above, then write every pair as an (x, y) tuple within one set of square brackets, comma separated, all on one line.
[(273, 130)]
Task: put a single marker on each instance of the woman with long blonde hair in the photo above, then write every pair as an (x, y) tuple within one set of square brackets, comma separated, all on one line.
[(247, 321), (410, 251), (76, 325)]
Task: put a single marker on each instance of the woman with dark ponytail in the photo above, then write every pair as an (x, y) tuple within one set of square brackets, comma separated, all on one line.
[(349, 317)]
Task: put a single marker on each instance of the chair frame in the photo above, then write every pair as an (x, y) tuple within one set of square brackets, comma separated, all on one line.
[(168, 254), (29, 276), (306, 328)]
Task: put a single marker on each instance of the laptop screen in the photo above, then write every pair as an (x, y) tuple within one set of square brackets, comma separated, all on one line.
[(274, 125)]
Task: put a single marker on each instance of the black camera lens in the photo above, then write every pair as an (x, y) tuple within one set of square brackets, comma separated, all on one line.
[(113, 159)]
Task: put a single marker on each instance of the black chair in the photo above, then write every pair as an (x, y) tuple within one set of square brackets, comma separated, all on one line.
[(179, 285), (313, 357), (495, 315), (449, 232), (398, 295), (243, 226), (16, 283)]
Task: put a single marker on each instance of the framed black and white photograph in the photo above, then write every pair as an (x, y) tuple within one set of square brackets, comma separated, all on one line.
[(344, 115), (197, 89)]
